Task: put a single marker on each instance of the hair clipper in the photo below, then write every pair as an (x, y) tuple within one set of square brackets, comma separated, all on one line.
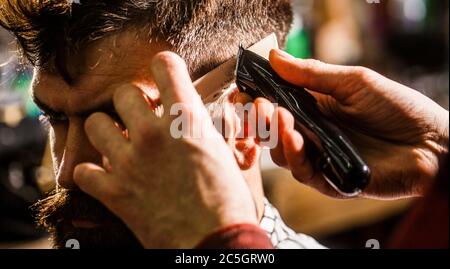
[(326, 145)]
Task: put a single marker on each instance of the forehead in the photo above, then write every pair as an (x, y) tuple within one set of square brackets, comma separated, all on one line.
[(117, 59)]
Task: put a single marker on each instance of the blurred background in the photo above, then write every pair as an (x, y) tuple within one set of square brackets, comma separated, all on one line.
[(406, 40)]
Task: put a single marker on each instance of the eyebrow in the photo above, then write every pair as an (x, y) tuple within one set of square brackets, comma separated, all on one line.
[(106, 107)]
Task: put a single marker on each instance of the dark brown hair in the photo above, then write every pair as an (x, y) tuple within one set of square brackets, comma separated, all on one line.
[(204, 32)]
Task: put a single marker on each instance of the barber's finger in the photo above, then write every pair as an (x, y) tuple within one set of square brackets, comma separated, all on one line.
[(301, 166), (133, 109), (313, 74), (295, 154), (265, 110), (172, 78), (105, 136), (93, 180), (285, 123), (259, 117)]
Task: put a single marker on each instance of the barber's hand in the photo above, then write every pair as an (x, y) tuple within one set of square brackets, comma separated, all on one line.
[(400, 133), (170, 192)]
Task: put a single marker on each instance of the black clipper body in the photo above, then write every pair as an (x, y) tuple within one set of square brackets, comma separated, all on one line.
[(327, 146)]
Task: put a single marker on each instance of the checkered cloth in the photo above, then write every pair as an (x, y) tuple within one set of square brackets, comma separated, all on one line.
[(281, 235)]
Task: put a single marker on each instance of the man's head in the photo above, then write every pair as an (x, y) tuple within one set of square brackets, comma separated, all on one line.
[(81, 51)]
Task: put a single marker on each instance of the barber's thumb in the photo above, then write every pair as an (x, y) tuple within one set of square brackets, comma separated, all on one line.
[(311, 74), (91, 179)]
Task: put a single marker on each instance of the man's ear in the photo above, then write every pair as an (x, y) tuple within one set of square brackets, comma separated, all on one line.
[(254, 131), (244, 144), (246, 152)]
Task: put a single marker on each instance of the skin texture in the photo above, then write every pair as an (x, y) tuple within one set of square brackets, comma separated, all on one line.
[(167, 203), (401, 133), (214, 194), (108, 67)]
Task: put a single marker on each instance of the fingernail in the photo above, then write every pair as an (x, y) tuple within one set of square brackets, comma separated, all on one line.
[(284, 55)]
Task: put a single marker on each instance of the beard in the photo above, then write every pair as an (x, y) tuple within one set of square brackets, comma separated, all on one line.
[(56, 213)]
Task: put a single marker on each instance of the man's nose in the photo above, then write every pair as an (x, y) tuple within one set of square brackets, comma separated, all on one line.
[(77, 150)]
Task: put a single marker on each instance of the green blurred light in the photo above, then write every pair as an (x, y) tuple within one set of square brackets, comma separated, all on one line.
[(298, 44), (22, 84)]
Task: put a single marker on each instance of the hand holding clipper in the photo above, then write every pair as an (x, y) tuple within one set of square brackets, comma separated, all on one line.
[(326, 145)]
